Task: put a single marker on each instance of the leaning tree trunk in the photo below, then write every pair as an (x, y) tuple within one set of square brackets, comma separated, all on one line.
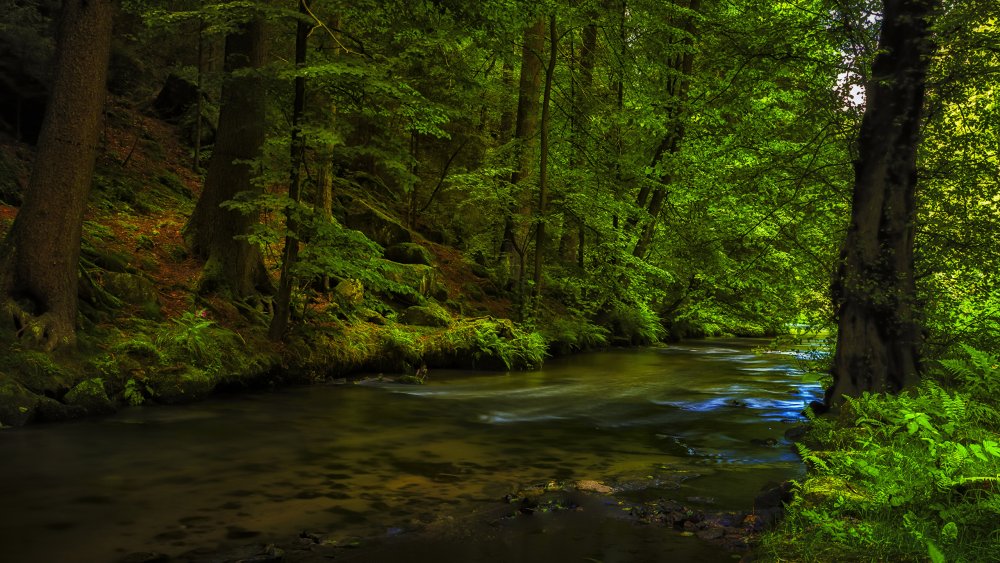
[(41, 255), (213, 232), (878, 339)]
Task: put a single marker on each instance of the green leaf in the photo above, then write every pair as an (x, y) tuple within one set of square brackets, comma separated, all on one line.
[(934, 553)]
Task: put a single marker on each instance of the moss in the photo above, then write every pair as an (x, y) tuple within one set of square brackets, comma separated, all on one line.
[(431, 314), (91, 395), (17, 404), (185, 385), (37, 371), (409, 253)]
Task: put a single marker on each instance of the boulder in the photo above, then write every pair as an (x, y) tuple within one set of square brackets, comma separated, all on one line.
[(374, 224), (17, 404), (425, 281), (426, 315), (350, 292), (37, 372), (91, 396), (409, 253)]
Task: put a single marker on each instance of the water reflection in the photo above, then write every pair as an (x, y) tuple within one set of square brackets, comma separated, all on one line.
[(385, 459)]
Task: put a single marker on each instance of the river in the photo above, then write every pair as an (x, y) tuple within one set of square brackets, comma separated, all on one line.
[(415, 473)]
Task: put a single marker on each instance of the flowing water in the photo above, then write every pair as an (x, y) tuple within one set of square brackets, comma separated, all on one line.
[(381, 463)]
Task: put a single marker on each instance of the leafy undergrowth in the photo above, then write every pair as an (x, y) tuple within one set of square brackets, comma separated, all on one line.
[(913, 477)]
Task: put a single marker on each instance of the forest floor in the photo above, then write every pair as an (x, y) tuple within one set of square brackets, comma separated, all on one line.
[(149, 334)]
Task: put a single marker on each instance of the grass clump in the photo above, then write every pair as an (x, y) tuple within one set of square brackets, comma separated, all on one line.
[(911, 477)]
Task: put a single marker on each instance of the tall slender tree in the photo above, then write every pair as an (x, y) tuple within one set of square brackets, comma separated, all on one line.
[(525, 130), (41, 254), (282, 307), (543, 160), (878, 339)]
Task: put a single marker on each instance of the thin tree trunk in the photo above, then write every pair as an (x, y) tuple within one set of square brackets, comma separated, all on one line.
[(282, 307), (543, 161), (212, 232), (878, 338), (199, 104), (525, 130), (41, 255), (677, 89)]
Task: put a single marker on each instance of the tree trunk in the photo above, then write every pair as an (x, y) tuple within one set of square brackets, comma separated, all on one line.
[(572, 244), (41, 254), (525, 129), (543, 161), (282, 305), (233, 263), (677, 89), (878, 339)]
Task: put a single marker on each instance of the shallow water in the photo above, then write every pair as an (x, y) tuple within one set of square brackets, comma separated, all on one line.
[(381, 461)]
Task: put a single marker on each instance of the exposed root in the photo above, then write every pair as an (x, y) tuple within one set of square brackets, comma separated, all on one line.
[(46, 332)]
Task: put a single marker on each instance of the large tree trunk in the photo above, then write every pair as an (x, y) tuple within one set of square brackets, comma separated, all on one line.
[(233, 263), (525, 129), (41, 255), (878, 339)]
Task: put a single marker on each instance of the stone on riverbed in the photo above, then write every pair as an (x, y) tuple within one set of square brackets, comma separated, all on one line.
[(594, 487)]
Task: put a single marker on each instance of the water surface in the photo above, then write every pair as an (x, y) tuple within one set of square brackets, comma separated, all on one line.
[(379, 462)]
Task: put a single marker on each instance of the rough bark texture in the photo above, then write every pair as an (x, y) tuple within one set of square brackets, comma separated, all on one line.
[(233, 263), (543, 160), (41, 255), (525, 129), (878, 342)]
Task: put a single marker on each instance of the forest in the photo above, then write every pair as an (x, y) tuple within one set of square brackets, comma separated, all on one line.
[(214, 200)]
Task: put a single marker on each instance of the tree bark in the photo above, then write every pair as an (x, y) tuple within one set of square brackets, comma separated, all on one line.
[(677, 89), (878, 339), (525, 129), (41, 254), (543, 161), (233, 263), (282, 305)]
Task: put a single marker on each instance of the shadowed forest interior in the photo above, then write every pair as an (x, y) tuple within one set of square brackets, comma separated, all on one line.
[(438, 280)]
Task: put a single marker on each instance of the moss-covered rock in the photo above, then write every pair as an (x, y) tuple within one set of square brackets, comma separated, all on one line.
[(423, 280), (409, 253), (184, 385), (375, 224), (91, 396), (17, 404), (431, 314), (349, 292), (37, 372)]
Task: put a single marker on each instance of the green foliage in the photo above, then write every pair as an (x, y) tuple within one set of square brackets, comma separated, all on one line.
[(193, 338), (490, 341), (902, 477), (571, 332)]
